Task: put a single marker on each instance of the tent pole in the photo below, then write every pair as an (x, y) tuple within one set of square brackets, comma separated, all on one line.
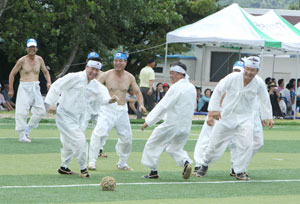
[(295, 97), (262, 58), (166, 58), (202, 67), (273, 66)]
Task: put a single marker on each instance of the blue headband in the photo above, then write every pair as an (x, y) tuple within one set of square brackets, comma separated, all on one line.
[(93, 55), (120, 55)]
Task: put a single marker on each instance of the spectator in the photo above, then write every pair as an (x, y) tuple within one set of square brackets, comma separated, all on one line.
[(274, 98), (268, 80), (286, 94), (158, 92), (4, 105), (165, 88), (147, 77), (282, 105), (131, 101), (293, 82), (6, 96), (204, 100), (280, 84), (298, 93)]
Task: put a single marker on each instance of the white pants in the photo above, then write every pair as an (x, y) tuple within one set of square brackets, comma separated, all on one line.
[(112, 115), (169, 137), (72, 139), (29, 96), (202, 142), (258, 140), (223, 133)]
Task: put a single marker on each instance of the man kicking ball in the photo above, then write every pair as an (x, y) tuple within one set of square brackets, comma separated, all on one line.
[(177, 109)]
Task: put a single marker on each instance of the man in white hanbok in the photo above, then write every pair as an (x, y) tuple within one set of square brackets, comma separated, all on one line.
[(176, 109), (236, 117), (73, 92)]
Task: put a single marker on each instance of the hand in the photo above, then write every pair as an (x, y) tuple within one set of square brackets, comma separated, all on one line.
[(10, 93), (142, 109), (268, 123), (149, 92), (113, 99), (144, 126), (48, 86), (215, 115), (52, 110), (210, 121)]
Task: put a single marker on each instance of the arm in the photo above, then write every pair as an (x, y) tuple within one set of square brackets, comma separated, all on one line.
[(59, 86), (46, 73), (163, 106), (265, 107), (12, 75), (150, 87), (138, 94)]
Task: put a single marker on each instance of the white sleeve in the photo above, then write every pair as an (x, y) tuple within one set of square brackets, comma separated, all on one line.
[(163, 106), (214, 102), (266, 112), (102, 94), (59, 86)]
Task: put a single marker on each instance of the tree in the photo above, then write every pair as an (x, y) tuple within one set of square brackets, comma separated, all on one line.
[(2, 6), (67, 30)]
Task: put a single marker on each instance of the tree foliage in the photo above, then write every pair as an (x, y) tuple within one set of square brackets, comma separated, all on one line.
[(67, 30)]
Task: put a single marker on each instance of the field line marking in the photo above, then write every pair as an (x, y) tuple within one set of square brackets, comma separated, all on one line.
[(153, 183)]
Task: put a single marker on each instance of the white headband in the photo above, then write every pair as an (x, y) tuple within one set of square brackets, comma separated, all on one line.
[(94, 64), (252, 62), (179, 69)]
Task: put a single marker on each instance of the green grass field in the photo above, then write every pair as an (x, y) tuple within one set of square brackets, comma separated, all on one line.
[(28, 172)]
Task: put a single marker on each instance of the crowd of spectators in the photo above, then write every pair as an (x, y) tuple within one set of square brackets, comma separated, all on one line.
[(282, 96), (6, 102)]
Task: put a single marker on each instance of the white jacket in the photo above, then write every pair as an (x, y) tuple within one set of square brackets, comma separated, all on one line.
[(74, 93), (239, 99), (177, 105)]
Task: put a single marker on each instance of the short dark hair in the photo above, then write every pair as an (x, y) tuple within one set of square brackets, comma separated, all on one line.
[(150, 60), (268, 80), (280, 81), (289, 86), (183, 66)]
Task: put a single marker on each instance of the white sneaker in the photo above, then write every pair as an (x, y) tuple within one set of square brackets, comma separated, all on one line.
[(92, 167), (24, 139), (27, 137), (124, 168)]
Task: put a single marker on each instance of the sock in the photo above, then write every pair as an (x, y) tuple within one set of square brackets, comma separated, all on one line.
[(27, 130), (153, 172)]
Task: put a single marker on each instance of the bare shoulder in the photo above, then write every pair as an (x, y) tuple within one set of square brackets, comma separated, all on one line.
[(21, 60), (39, 58), (129, 75)]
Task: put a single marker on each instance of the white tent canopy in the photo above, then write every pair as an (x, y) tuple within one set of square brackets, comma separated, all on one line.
[(233, 26)]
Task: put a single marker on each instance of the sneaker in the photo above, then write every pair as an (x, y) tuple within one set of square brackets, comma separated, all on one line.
[(149, 176), (152, 175), (187, 171), (92, 167), (242, 176), (84, 173), (202, 171), (23, 138), (194, 173), (232, 173), (124, 168), (63, 170), (102, 155)]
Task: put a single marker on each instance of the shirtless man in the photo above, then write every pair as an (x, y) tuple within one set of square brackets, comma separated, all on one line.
[(115, 115), (29, 95)]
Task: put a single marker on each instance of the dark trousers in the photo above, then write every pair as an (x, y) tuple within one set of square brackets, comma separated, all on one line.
[(148, 100)]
